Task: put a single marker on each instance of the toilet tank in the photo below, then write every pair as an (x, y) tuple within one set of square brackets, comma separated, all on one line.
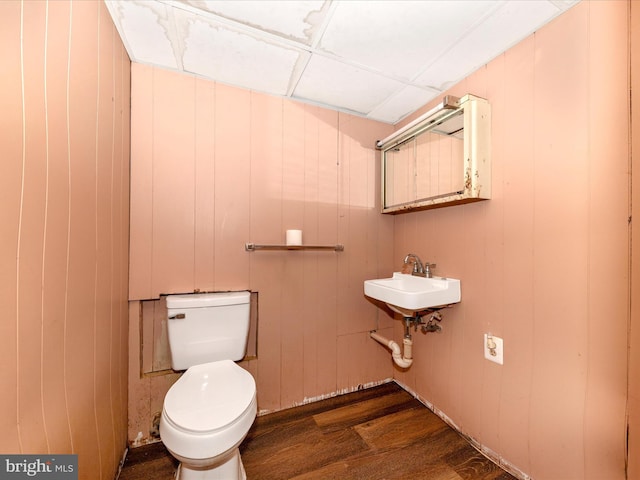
[(207, 327)]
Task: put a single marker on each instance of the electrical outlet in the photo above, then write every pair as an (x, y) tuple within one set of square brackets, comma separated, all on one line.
[(493, 348)]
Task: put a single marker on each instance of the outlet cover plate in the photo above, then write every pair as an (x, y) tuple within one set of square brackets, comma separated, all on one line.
[(498, 350)]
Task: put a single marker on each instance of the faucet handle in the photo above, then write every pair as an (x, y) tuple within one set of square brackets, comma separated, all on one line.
[(427, 269)]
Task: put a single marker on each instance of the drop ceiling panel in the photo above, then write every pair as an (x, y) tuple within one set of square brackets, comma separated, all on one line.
[(234, 57), (399, 37), (403, 103), (146, 31), (381, 59), (334, 83), (289, 19), (508, 25)]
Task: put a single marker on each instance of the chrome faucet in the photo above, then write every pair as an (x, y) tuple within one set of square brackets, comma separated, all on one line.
[(419, 269)]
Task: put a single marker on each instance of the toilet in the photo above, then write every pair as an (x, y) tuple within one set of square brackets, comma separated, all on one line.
[(209, 410)]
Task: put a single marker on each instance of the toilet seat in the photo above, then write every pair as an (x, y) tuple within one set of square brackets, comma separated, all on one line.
[(210, 397)]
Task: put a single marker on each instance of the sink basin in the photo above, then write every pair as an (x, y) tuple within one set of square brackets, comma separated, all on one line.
[(407, 294)]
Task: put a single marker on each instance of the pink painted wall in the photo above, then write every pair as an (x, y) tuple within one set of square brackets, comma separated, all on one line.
[(214, 167), (64, 145), (545, 263)]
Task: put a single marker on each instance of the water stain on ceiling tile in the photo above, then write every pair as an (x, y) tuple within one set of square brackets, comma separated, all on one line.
[(294, 20), (235, 57), (145, 28), (380, 59)]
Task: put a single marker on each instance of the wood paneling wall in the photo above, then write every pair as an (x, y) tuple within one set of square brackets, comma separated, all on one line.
[(64, 210), (214, 167), (634, 340), (544, 263)]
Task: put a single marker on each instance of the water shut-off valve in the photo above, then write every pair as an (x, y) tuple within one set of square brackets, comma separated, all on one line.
[(432, 324)]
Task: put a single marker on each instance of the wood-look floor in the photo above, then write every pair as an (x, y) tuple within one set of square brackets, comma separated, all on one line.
[(378, 433)]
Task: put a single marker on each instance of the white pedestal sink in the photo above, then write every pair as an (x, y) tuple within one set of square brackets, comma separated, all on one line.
[(408, 294)]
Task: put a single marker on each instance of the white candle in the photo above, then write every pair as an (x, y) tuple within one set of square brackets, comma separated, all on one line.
[(294, 237)]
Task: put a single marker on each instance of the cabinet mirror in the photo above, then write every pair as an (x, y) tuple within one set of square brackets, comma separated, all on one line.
[(442, 158)]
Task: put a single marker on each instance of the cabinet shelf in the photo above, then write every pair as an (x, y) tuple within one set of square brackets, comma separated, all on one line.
[(250, 247)]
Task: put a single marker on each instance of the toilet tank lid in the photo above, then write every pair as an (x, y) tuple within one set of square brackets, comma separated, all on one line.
[(199, 300)]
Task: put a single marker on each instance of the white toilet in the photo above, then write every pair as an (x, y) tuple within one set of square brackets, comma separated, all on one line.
[(209, 410)]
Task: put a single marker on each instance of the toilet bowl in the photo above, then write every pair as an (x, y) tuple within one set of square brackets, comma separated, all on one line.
[(206, 415)]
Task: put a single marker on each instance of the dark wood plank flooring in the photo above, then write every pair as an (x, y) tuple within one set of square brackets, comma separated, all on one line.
[(378, 433)]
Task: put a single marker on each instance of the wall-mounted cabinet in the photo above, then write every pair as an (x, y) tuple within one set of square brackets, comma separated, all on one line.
[(442, 158)]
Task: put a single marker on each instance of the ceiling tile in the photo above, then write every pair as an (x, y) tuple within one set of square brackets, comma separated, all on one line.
[(514, 21), (333, 83), (399, 37), (294, 20), (229, 56), (383, 59), (145, 27), (403, 103)]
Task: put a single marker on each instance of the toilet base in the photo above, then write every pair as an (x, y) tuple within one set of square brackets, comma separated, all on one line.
[(231, 469)]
